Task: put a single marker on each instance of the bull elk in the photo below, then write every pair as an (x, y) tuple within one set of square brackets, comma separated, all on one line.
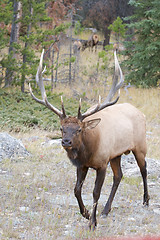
[(91, 42), (99, 136)]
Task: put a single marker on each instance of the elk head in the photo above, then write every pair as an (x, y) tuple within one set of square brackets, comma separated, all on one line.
[(73, 130), (73, 127)]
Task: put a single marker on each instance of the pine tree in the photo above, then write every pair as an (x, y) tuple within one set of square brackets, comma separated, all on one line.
[(31, 29), (142, 52), (5, 21), (5, 26), (118, 27), (14, 36), (33, 13)]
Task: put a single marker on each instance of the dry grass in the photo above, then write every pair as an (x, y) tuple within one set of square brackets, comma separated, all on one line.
[(148, 101), (37, 199)]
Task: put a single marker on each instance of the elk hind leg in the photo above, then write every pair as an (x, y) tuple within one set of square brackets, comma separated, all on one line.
[(140, 158), (117, 171)]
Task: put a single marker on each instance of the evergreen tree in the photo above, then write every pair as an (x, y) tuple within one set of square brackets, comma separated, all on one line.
[(5, 21), (142, 53), (13, 46), (5, 26), (35, 33), (118, 27), (33, 13)]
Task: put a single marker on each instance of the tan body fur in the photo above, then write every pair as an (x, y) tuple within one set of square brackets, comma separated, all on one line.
[(121, 130)]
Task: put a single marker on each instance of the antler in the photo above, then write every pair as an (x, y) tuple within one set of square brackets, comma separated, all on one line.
[(115, 87), (44, 100)]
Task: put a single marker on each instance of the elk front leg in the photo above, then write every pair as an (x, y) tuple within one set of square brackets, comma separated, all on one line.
[(96, 194), (116, 168), (81, 175)]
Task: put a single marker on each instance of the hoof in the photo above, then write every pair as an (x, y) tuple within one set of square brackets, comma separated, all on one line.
[(92, 226), (86, 214), (146, 200), (105, 213)]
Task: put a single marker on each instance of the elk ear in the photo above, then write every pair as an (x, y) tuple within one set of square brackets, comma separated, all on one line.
[(92, 123)]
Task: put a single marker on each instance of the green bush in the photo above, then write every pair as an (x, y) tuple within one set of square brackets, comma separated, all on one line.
[(19, 112)]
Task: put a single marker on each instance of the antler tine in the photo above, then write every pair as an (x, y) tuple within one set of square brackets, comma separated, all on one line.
[(88, 112), (39, 78), (44, 100), (115, 87), (79, 110), (63, 110)]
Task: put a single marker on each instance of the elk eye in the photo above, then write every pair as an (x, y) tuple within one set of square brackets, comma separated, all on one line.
[(79, 130), (61, 129)]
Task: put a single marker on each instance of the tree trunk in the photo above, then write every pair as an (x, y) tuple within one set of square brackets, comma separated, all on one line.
[(52, 70), (70, 50), (23, 72), (13, 39), (107, 34), (57, 62), (24, 55)]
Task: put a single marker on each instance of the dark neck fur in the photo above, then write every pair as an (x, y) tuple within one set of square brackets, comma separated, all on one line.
[(78, 157)]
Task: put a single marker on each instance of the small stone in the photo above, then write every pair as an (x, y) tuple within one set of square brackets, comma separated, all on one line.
[(131, 219), (27, 174), (24, 209)]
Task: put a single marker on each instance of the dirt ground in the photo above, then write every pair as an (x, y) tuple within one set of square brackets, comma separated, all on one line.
[(37, 197)]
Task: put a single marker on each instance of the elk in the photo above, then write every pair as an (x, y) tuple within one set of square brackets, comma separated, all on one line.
[(100, 136), (76, 47), (118, 47), (92, 42)]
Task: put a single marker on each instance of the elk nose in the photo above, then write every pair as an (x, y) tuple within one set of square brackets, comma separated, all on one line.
[(66, 142)]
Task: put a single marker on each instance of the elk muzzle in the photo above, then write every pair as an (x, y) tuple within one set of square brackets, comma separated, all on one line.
[(67, 143)]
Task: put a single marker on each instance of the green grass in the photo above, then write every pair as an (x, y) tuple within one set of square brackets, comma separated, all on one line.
[(19, 112), (136, 181)]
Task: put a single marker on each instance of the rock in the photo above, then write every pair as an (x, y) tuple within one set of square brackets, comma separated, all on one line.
[(130, 167), (156, 211), (53, 142), (11, 148)]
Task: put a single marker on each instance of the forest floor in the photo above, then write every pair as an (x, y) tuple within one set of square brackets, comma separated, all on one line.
[(37, 196)]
